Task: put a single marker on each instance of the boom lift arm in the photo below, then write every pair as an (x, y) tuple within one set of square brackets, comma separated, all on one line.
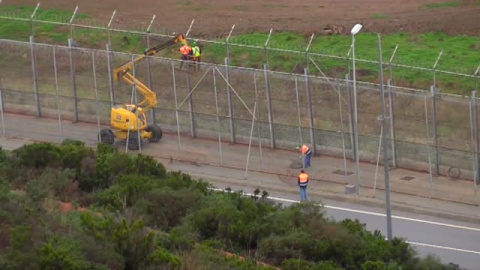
[(123, 72)]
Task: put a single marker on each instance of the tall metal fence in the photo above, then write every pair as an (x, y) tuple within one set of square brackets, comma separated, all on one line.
[(427, 130), (90, 33)]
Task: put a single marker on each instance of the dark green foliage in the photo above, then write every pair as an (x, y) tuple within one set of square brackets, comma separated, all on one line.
[(206, 258), (52, 182), (231, 217), (146, 165), (300, 264), (131, 239), (38, 155), (3, 156), (63, 254), (164, 208), (72, 153), (140, 216), (4, 191)]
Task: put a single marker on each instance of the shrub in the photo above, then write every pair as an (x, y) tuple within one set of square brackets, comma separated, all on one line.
[(164, 208), (296, 264), (178, 180), (181, 238), (38, 155), (3, 156), (296, 244), (4, 191), (148, 166), (52, 182), (72, 154), (57, 254)]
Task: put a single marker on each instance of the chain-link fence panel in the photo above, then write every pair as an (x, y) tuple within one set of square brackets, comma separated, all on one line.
[(283, 89), (453, 130)]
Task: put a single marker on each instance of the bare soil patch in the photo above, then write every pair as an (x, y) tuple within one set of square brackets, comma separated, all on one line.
[(215, 17)]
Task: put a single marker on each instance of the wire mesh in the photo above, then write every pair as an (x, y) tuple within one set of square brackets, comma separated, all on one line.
[(84, 84)]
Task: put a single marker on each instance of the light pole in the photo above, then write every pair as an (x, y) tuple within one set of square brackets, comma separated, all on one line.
[(384, 142), (355, 31)]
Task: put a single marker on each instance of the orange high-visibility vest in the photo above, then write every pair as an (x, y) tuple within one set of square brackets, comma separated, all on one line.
[(185, 49), (305, 148), (303, 179)]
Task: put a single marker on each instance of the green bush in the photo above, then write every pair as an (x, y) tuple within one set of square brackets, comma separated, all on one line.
[(165, 208), (205, 257), (56, 254), (4, 191), (38, 155), (3, 156), (72, 153), (238, 220), (148, 166), (142, 217), (300, 264), (296, 244)]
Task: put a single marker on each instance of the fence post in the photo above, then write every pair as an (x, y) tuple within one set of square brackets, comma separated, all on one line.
[(57, 94), (2, 105), (433, 91), (74, 84), (475, 135), (149, 77), (298, 111), (310, 112), (95, 87), (176, 105), (190, 104), (35, 77), (229, 100), (110, 76), (218, 116), (258, 116), (269, 106), (392, 122), (350, 114)]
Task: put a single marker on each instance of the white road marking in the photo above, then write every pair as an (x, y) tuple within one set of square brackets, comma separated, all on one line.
[(442, 247), (380, 214), (405, 218), (373, 213)]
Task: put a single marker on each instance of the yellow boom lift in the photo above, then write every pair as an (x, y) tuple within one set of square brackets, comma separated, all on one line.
[(124, 124)]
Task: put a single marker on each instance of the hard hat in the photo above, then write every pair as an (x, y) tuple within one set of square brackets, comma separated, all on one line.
[(183, 42), (194, 43)]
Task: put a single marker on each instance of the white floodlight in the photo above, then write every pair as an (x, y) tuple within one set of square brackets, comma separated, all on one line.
[(356, 29)]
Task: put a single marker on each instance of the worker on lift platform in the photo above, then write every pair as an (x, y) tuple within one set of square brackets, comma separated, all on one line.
[(185, 50), (196, 54)]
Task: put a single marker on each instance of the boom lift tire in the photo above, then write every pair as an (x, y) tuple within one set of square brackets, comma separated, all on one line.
[(156, 132), (106, 136), (133, 142)]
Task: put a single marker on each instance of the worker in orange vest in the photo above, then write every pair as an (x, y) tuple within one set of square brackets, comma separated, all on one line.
[(185, 51), (303, 179), (307, 152)]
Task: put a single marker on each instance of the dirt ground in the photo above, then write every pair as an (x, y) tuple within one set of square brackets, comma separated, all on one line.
[(215, 17)]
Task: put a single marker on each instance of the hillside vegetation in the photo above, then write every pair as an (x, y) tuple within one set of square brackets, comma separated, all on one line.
[(71, 207)]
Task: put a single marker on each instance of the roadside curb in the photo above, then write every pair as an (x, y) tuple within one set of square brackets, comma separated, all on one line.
[(398, 206), (458, 201)]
